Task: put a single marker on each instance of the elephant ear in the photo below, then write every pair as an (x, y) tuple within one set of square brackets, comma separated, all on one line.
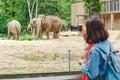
[(42, 17), (44, 21), (33, 22)]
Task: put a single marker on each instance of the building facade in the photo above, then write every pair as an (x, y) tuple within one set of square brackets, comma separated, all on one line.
[(110, 14)]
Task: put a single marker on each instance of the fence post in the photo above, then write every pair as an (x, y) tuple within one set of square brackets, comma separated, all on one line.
[(69, 61)]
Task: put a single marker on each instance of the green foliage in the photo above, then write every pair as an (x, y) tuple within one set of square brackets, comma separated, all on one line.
[(13, 9), (96, 5), (18, 10), (1, 4), (87, 5)]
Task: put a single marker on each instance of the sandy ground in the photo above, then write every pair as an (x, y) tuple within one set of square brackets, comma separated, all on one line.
[(45, 55)]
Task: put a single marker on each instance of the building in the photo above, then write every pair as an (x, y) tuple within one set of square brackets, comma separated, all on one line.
[(110, 14)]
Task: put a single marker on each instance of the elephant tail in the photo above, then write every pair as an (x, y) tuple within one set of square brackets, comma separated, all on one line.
[(18, 28), (60, 27)]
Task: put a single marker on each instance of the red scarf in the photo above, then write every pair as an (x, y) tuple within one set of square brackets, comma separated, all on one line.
[(84, 77)]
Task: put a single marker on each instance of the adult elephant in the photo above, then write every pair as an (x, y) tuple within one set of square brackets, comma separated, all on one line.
[(14, 27), (48, 24), (32, 26)]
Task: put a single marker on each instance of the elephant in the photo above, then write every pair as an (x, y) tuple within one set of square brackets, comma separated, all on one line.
[(64, 24), (48, 24), (32, 26), (14, 27)]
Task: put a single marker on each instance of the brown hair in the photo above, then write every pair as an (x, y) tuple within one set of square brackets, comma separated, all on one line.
[(96, 30)]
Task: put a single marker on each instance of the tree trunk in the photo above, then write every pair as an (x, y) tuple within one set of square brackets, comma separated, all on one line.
[(30, 14), (36, 8), (30, 9)]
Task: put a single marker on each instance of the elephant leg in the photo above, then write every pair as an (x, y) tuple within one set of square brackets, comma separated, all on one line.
[(39, 32), (33, 32), (13, 36), (47, 34), (8, 35), (57, 35), (54, 34), (17, 36)]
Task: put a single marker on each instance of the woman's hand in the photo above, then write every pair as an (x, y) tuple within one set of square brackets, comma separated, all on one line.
[(80, 61), (83, 32)]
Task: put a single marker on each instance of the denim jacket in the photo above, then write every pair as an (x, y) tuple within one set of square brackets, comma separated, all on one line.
[(97, 61)]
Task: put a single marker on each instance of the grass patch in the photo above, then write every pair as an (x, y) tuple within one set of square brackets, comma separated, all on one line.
[(3, 37), (23, 37), (31, 58), (30, 38), (76, 68), (20, 68), (55, 56)]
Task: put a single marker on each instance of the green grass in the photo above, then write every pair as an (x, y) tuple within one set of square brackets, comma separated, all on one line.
[(55, 56), (31, 58), (23, 37), (20, 68), (28, 37), (3, 36), (76, 68)]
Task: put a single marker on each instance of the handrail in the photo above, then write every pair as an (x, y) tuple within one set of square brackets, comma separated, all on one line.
[(33, 75), (67, 77)]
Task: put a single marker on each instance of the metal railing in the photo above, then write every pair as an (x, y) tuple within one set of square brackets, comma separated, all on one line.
[(73, 75)]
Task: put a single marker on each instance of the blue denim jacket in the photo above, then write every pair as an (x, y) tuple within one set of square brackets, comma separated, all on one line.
[(97, 61)]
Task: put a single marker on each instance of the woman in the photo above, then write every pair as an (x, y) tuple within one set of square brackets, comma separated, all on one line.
[(87, 48), (96, 34)]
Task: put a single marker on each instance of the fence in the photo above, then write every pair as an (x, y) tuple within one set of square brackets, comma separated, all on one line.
[(73, 75)]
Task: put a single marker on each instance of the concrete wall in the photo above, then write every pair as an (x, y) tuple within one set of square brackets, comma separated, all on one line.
[(77, 9)]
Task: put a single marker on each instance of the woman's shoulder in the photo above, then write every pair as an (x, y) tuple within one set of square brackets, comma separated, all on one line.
[(103, 43), (102, 46)]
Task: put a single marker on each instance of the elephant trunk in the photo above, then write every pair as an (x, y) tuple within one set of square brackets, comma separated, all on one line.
[(29, 28)]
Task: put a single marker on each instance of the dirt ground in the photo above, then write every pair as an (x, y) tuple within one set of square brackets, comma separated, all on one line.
[(46, 55)]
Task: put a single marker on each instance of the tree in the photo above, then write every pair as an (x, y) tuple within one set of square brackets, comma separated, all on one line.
[(13, 9), (93, 7), (30, 9), (1, 4)]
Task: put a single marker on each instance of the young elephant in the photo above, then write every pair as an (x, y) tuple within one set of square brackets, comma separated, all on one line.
[(64, 24), (31, 26), (14, 27)]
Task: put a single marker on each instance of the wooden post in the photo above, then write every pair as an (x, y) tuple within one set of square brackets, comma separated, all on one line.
[(112, 21)]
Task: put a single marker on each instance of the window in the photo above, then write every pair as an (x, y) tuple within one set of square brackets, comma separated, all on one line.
[(111, 6), (105, 4), (114, 5)]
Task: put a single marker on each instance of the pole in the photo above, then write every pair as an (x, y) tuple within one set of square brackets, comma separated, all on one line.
[(69, 61)]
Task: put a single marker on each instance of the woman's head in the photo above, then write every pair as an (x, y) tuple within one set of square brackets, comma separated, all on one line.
[(96, 30)]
